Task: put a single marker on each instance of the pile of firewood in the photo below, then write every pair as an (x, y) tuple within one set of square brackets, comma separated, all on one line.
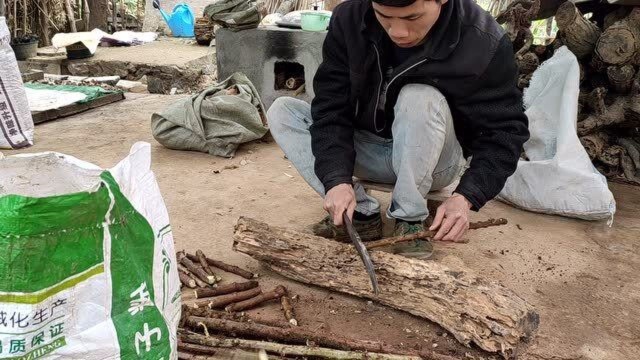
[(213, 320), (607, 47)]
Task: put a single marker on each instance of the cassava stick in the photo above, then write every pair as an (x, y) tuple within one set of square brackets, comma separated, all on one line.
[(296, 335), (276, 293), (430, 234), (186, 271), (197, 271), (186, 280), (294, 350), (203, 261), (242, 317), (288, 309), (225, 289), (224, 300), (226, 267)]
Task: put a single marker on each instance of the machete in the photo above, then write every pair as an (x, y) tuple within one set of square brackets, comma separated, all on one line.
[(362, 251)]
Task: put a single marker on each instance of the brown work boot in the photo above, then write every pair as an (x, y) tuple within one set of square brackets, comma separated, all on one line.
[(421, 249), (367, 229)]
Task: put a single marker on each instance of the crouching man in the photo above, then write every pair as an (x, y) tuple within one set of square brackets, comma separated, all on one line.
[(406, 91)]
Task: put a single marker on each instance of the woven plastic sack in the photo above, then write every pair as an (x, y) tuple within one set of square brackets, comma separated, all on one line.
[(16, 124), (87, 261), (559, 178)]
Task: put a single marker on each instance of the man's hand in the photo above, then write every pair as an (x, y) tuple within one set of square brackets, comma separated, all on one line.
[(452, 219), (339, 199)]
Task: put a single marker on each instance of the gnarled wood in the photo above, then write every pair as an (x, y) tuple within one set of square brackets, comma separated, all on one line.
[(594, 144), (579, 34), (474, 310), (623, 110)]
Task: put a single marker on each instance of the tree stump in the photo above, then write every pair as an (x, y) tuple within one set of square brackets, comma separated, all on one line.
[(620, 43), (579, 34), (472, 309)]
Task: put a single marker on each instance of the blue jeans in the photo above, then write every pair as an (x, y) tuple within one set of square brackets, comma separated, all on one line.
[(423, 155)]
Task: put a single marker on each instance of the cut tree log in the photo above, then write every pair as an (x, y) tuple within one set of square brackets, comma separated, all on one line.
[(579, 34), (473, 309), (621, 77), (620, 43), (615, 16)]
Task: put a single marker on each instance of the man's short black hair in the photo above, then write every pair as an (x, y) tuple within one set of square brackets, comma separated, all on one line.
[(397, 3)]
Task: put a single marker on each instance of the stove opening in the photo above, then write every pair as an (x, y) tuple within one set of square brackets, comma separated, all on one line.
[(289, 76)]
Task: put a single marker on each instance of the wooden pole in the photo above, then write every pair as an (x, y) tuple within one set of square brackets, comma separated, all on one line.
[(471, 308), (71, 18), (15, 19), (123, 15), (114, 17), (24, 17), (86, 14), (44, 23), (2, 8)]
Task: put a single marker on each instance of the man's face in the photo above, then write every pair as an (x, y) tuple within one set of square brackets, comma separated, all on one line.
[(408, 26)]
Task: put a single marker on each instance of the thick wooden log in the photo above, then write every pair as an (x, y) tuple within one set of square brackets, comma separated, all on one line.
[(473, 309), (620, 43), (621, 77), (579, 34)]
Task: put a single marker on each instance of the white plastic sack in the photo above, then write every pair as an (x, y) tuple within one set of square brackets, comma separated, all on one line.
[(559, 177), (16, 124), (87, 261)]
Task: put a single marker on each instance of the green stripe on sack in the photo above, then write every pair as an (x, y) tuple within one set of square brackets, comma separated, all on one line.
[(141, 329), (38, 297), (44, 241)]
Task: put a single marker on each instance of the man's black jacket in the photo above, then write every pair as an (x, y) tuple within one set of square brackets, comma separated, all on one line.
[(467, 56)]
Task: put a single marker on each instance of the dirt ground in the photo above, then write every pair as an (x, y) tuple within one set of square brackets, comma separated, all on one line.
[(582, 277)]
